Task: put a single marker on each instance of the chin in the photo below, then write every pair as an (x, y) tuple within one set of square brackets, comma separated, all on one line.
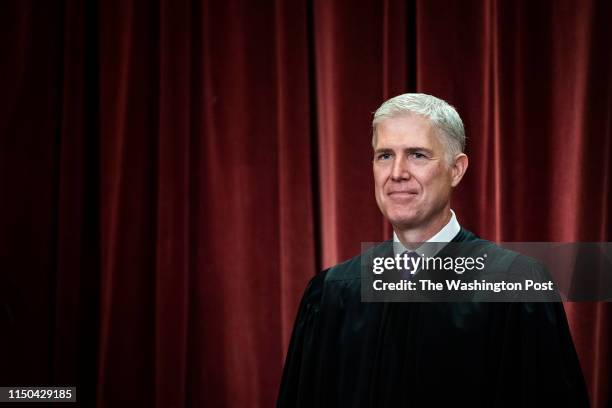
[(403, 219)]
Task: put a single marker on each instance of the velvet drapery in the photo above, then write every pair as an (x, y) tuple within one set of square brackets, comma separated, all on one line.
[(173, 172)]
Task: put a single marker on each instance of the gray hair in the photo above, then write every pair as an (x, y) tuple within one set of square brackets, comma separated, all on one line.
[(442, 115)]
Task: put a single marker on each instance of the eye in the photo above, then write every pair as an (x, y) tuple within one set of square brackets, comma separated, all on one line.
[(383, 156), (418, 155)]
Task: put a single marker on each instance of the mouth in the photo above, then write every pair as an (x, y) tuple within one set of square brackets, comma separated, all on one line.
[(402, 194)]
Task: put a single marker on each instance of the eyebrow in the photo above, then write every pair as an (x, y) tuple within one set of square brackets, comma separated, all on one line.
[(407, 149)]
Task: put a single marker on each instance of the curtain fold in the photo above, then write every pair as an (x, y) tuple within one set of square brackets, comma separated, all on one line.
[(173, 173)]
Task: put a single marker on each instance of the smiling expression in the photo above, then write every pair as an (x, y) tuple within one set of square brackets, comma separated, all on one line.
[(413, 180)]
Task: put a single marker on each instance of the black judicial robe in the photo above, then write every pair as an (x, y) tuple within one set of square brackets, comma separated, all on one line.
[(348, 353)]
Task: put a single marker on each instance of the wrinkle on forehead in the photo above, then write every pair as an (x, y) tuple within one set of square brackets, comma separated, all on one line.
[(425, 124)]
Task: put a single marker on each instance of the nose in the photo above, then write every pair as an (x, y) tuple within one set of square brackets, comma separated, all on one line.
[(400, 171)]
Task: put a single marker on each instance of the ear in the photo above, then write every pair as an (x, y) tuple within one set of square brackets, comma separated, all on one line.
[(458, 168)]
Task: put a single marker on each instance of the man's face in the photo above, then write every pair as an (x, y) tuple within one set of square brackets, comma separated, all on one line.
[(413, 181)]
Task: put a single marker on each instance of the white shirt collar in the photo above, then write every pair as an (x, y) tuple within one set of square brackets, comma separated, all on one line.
[(445, 235)]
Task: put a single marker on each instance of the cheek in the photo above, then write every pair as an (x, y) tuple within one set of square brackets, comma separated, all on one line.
[(436, 181), (379, 178), (443, 186)]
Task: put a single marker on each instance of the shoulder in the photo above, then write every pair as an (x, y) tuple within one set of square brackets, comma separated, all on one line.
[(314, 288), (501, 259), (347, 270), (351, 268), (512, 264), (509, 259)]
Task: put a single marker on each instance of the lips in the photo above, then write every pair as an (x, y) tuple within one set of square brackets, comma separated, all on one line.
[(402, 194)]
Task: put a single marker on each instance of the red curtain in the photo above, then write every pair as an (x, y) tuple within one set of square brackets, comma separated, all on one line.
[(173, 172)]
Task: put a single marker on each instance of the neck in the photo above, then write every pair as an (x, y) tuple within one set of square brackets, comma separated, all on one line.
[(410, 236)]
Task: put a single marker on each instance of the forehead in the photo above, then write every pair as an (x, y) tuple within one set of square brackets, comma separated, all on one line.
[(406, 131)]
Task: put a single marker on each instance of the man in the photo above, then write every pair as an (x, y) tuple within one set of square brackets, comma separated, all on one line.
[(349, 353)]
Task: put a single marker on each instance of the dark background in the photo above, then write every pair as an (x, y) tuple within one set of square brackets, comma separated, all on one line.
[(173, 172)]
